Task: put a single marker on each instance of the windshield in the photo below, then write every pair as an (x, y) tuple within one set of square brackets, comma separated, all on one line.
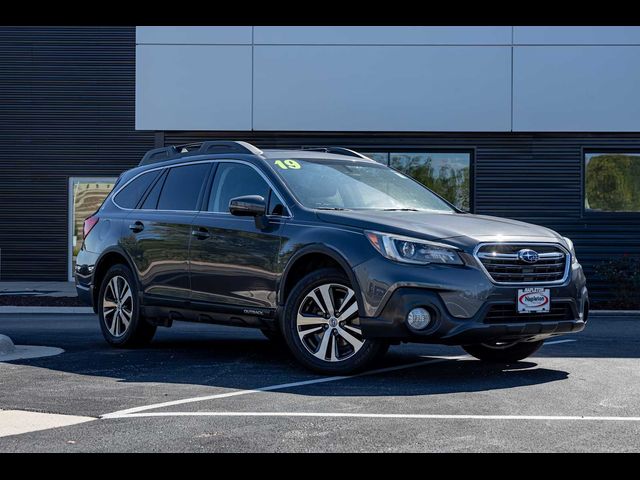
[(348, 185)]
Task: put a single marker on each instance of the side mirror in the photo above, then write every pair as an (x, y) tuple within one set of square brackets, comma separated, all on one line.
[(248, 206)]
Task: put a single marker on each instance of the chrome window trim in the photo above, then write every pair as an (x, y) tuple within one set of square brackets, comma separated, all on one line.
[(221, 160), (525, 244)]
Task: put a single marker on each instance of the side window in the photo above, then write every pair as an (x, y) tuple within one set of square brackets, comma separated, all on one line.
[(151, 202), (130, 195), (235, 180), (182, 187), (276, 205)]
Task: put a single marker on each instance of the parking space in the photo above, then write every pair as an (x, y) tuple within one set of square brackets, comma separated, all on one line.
[(209, 388)]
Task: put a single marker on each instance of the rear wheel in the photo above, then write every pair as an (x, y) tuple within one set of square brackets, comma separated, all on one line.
[(119, 312), (503, 352), (321, 326)]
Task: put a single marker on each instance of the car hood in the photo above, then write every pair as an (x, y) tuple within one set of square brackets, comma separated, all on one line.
[(440, 226)]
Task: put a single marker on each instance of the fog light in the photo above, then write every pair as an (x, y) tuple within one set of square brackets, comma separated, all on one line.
[(419, 318)]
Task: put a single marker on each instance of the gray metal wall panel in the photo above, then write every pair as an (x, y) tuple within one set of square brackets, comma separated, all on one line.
[(200, 87), (194, 35), (383, 88), (576, 35), (66, 109), (361, 35), (576, 88)]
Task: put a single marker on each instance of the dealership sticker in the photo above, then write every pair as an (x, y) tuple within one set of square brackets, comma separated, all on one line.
[(288, 164), (533, 300)]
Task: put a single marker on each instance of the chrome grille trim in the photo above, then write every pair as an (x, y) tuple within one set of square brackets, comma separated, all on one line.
[(544, 257), (509, 256)]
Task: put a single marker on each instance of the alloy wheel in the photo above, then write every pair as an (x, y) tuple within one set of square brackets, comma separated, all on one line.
[(327, 323), (117, 306)]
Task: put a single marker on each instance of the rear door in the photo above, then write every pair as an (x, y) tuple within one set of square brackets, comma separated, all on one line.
[(160, 232), (233, 262)]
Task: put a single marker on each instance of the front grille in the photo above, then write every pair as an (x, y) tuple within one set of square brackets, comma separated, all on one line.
[(507, 313), (502, 263)]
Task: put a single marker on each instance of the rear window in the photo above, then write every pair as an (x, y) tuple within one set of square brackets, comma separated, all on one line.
[(151, 202), (131, 194), (182, 187)]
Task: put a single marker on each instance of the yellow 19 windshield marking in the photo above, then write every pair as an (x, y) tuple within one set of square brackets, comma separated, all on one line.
[(287, 164)]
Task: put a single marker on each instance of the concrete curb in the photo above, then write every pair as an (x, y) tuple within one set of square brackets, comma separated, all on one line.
[(46, 310), (25, 352)]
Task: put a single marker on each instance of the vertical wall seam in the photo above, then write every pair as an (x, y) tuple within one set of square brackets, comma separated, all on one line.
[(252, 68), (512, 46)]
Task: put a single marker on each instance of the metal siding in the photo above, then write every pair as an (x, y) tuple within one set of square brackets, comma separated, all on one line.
[(376, 88), (530, 177), (576, 88), (381, 35), (66, 109)]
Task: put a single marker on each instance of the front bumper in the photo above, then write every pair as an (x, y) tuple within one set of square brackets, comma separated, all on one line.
[(463, 302), (447, 329)]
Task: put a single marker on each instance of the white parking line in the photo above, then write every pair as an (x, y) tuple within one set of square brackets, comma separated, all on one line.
[(386, 415), (270, 388), (16, 422)]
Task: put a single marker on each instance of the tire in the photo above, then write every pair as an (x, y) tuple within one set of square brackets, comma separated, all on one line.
[(116, 330), (331, 345), (503, 354)]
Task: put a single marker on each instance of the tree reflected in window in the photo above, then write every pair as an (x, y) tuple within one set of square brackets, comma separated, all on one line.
[(612, 182), (447, 174)]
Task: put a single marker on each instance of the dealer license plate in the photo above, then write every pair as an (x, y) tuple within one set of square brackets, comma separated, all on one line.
[(533, 300)]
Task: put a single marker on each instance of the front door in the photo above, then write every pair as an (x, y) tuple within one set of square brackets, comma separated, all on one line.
[(233, 262)]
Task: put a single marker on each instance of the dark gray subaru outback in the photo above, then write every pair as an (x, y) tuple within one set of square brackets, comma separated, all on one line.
[(324, 249)]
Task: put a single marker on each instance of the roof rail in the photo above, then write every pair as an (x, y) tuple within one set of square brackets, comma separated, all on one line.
[(337, 150), (212, 147)]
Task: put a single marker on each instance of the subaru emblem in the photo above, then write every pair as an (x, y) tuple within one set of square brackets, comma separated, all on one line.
[(527, 255)]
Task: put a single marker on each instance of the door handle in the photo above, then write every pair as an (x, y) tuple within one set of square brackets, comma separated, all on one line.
[(136, 227), (200, 233)]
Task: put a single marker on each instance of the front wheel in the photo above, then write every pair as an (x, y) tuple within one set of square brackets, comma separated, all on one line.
[(321, 325), (503, 352)]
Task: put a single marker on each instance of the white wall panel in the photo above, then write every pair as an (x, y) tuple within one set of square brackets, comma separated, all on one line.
[(382, 88), (317, 35), (193, 35), (576, 35), (577, 88), (193, 87)]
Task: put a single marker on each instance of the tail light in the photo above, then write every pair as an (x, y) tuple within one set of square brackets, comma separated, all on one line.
[(88, 225)]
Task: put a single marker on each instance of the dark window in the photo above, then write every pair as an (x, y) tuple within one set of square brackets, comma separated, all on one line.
[(612, 182), (448, 174), (276, 205), (130, 195), (235, 180), (182, 187), (151, 202)]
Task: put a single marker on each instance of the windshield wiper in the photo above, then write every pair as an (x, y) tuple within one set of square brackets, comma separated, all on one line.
[(331, 208), (400, 209)]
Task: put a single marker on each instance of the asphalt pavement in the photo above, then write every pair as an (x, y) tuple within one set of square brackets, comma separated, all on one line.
[(204, 388)]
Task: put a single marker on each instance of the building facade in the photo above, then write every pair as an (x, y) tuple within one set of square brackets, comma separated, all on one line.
[(540, 124)]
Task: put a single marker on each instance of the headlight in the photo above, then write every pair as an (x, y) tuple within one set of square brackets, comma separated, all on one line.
[(571, 249), (413, 250)]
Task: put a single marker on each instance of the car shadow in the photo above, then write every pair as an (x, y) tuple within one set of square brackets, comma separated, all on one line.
[(231, 362)]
